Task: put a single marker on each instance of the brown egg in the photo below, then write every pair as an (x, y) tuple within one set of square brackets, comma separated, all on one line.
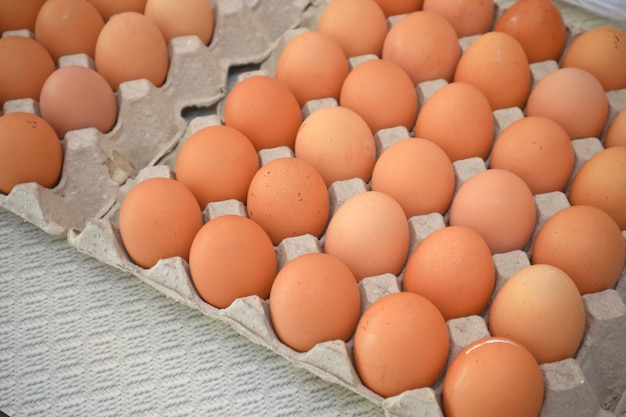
[(217, 163), (401, 343), (314, 299), (108, 8), (359, 26), (600, 51), (30, 151), (232, 257), (541, 308), (67, 27), (538, 150), (130, 47), (15, 15), (616, 132), (499, 206), (586, 244), (458, 118), (601, 182), (468, 17), (182, 18), (369, 232), (493, 377), (396, 7), (288, 197), (417, 174), (313, 66), (265, 110), (75, 97), (382, 93), (159, 219), (538, 26), (425, 45), (573, 98), (497, 64), (338, 143), (25, 66)]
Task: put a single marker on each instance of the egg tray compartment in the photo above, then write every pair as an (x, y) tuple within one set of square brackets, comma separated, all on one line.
[(151, 120)]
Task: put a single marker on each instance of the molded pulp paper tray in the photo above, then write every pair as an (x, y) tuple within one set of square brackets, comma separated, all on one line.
[(99, 169)]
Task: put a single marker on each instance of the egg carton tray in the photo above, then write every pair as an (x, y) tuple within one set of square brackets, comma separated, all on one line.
[(99, 169)]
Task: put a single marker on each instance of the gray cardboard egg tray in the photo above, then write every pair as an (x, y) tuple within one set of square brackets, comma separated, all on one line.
[(99, 169)]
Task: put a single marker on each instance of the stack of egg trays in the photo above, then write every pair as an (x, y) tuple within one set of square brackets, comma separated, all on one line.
[(99, 169)]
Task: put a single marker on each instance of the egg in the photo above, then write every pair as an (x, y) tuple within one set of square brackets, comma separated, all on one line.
[(493, 377), (600, 51), (601, 182), (338, 143), (425, 45), (468, 17), (108, 8), (458, 118), (382, 93), (453, 268), (159, 218), (401, 343), (265, 110), (288, 197), (359, 26), (573, 98), (417, 174), (75, 97), (585, 243), (499, 206), (616, 132), (30, 151), (182, 18), (19, 15), (314, 299), (396, 7), (232, 257), (538, 26), (26, 65), (370, 234), (217, 163), (66, 27), (313, 66), (538, 150), (130, 47), (496, 63)]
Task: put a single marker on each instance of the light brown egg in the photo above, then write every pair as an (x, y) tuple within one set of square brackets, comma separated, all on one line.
[(586, 244), (601, 182), (217, 163), (425, 44), (182, 18), (573, 98), (26, 65), (382, 93), (497, 64), (468, 17), (338, 143), (130, 47), (616, 132), (401, 343), (417, 174), (66, 27), (538, 150), (265, 110), (232, 257), (313, 66), (600, 51), (75, 97), (15, 15), (159, 219), (458, 118), (314, 299), (288, 197), (30, 151), (396, 7), (538, 26), (499, 206), (493, 377), (359, 26), (108, 8), (370, 234)]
